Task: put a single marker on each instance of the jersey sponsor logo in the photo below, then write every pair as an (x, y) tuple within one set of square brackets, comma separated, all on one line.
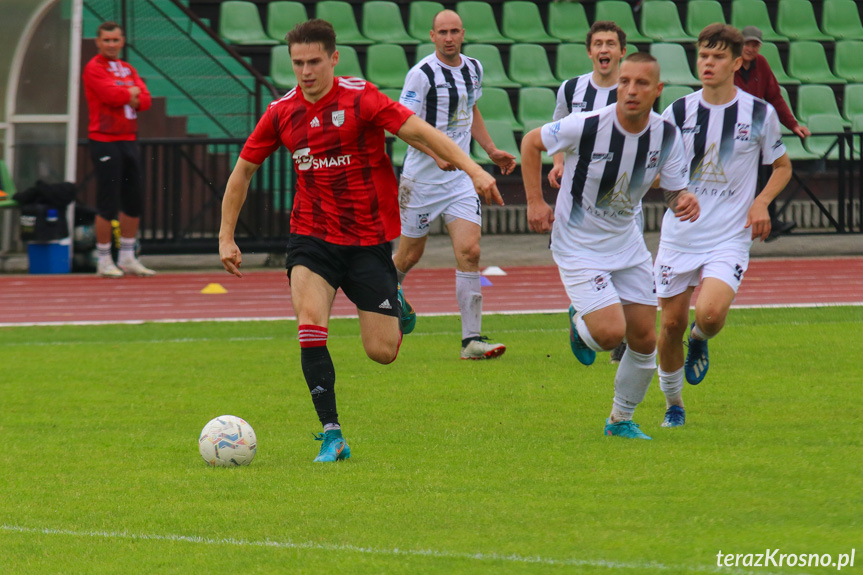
[(710, 169), (422, 221), (446, 85), (410, 97), (652, 159), (338, 118), (305, 160), (599, 282), (579, 106), (742, 132), (315, 123), (691, 130), (602, 156)]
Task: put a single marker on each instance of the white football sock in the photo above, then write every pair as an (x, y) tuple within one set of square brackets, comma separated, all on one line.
[(634, 373), (671, 384), (468, 293), (698, 334), (127, 250), (584, 334)]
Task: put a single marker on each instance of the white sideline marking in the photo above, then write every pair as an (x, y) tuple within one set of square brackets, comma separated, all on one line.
[(353, 316), (374, 551)]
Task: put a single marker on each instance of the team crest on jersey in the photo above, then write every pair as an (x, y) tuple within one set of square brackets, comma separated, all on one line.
[(599, 282), (742, 133), (652, 159), (338, 118)]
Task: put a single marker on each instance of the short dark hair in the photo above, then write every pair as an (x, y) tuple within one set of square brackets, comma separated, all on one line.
[(315, 31), (722, 36), (606, 26), (108, 27), (643, 58)]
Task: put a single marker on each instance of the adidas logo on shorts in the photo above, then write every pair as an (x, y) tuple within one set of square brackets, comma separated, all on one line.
[(386, 305)]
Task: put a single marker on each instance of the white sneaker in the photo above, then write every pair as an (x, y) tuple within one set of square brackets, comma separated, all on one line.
[(479, 348), (135, 267), (108, 270)]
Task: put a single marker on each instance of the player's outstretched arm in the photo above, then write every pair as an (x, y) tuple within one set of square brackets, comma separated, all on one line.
[(418, 133), (758, 217), (504, 160), (540, 216), (232, 203)]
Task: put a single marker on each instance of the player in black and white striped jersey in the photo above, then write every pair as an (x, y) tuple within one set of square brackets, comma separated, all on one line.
[(613, 155), (725, 131), (443, 89)]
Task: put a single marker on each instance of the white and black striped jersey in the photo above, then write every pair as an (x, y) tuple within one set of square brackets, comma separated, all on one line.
[(444, 97), (722, 145), (606, 172), (580, 94)]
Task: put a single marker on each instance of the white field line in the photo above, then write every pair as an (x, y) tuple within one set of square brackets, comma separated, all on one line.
[(481, 557), (350, 316)]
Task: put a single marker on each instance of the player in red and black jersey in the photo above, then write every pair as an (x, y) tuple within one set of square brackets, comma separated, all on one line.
[(345, 208)]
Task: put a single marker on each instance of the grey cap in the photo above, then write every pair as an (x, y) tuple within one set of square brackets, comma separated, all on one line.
[(752, 33)]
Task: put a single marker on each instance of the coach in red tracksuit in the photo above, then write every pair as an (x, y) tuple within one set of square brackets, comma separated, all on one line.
[(755, 77), (115, 93)]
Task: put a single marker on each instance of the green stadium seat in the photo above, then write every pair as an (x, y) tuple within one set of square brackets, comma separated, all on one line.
[(796, 19), (424, 50), (819, 145), (794, 147), (386, 65), (816, 99), (673, 64), (400, 149), (420, 16), (807, 62), (754, 13), (341, 15), (840, 19), (848, 60), (621, 13), (479, 22), (528, 65), (493, 73), (771, 54), (669, 94), (503, 138), (660, 20), (240, 23), (495, 105), (522, 23), (568, 21), (281, 68), (852, 102), (572, 60), (349, 62), (382, 22), (282, 16), (857, 124), (535, 106), (700, 13)]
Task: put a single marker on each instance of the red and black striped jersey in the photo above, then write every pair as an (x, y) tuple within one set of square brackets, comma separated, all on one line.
[(346, 191)]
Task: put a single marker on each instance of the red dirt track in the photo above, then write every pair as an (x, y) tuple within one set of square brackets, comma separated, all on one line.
[(32, 299)]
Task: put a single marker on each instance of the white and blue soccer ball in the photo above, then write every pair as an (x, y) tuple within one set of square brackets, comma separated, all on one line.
[(227, 441)]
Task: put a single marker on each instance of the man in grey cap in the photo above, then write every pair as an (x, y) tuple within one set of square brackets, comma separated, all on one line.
[(755, 77)]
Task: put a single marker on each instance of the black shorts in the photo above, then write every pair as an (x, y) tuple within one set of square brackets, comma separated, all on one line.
[(366, 274), (119, 177)]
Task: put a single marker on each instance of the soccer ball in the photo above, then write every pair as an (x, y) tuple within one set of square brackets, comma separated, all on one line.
[(227, 441)]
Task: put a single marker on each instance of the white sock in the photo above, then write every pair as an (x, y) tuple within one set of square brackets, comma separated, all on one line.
[(671, 384), (104, 253), (127, 249), (584, 334), (330, 426), (468, 293), (401, 275), (634, 373), (698, 334)]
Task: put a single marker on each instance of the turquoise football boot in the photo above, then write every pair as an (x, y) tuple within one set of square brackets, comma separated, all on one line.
[(628, 429), (334, 447), (408, 319)]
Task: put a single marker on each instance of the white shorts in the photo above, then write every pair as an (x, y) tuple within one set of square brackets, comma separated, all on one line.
[(674, 272), (630, 282), (420, 204)]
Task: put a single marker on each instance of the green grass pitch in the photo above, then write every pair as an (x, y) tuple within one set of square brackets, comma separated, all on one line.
[(458, 467)]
